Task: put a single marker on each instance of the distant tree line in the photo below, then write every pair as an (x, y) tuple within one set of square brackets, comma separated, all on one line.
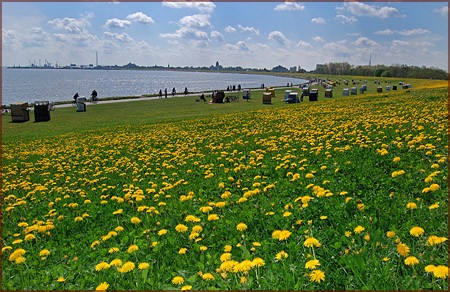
[(396, 70)]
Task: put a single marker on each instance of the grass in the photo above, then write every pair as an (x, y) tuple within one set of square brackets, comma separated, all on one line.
[(311, 196)]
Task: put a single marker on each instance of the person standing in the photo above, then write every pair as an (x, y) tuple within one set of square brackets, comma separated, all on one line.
[(165, 92), (173, 92), (160, 93)]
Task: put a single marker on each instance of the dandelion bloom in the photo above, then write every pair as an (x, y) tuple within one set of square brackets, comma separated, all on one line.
[(317, 276), (434, 240), (185, 288), (213, 217), (127, 267), (19, 260), (118, 228), (281, 255), (411, 261), (120, 211), (227, 248), (17, 253), (434, 187), (241, 227), (311, 242), (102, 266), (162, 232), (181, 228), (197, 229), (359, 229), (416, 231), (61, 279), (206, 209), (441, 272), (403, 249), (312, 264), (113, 249), (44, 253), (390, 234), (135, 220), (203, 248), (116, 263), (434, 206), (29, 237), (143, 266), (102, 287), (430, 268), (243, 266), (133, 248), (309, 175), (225, 257), (192, 218), (411, 205), (396, 159), (258, 262), (348, 233), (177, 280), (208, 277)]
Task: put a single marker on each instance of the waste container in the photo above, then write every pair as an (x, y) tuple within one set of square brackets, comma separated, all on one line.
[(19, 112), (313, 95), (353, 91), (267, 98), (345, 92), (81, 104), (41, 111)]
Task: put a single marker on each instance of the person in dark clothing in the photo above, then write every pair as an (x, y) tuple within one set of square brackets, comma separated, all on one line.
[(94, 95), (75, 97), (165, 92), (186, 91), (160, 93), (173, 92), (202, 97)]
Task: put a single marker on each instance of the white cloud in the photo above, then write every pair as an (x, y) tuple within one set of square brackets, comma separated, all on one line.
[(198, 21), (140, 18), (346, 19), (415, 31), (239, 46), (338, 49), (443, 10), (117, 23), (124, 37), (318, 20), (384, 32), (365, 42), (206, 7), (318, 39), (215, 35), (362, 9), (289, 6), (230, 29), (279, 37), (304, 45), (249, 29), (71, 25)]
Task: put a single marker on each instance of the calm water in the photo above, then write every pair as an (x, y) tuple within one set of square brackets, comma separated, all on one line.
[(29, 85)]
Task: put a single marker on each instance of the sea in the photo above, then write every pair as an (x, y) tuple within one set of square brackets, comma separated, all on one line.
[(30, 85)]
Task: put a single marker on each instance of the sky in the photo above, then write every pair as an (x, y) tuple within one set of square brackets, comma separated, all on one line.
[(247, 34)]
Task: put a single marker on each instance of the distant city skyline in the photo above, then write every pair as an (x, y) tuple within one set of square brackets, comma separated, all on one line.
[(247, 34)]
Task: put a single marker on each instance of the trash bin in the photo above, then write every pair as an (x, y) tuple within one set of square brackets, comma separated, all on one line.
[(81, 104), (329, 93), (353, 91), (345, 92), (41, 111), (19, 112), (267, 98), (313, 95)]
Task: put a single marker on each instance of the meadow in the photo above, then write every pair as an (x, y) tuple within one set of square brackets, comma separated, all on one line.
[(343, 193)]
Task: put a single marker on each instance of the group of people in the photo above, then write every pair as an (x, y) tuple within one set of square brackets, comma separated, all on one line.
[(93, 96), (233, 88)]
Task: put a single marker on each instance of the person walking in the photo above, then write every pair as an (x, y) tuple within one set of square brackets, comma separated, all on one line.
[(165, 92), (160, 93)]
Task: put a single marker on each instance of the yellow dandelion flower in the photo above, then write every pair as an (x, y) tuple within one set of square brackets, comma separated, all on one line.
[(102, 266), (207, 277), (411, 261), (435, 240), (390, 234), (197, 229), (386, 259), (17, 253), (127, 267), (287, 214), (241, 227), (143, 266), (113, 250), (177, 280), (359, 229), (434, 187), (312, 264), (181, 228), (135, 220), (367, 237), (116, 263), (203, 248), (311, 242), (434, 206), (186, 288), (317, 276), (258, 262), (396, 159), (430, 268), (243, 280), (227, 248), (182, 250), (17, 241), (19, 260), (162, 232), (281, 255), (309, 175), (132, 248), (61, 279), (441, 272), (44, 253), (243, 266), (192, 218), (102, 287), (402, 249), (416, 231), (120, 211), (225, 257), (213, 217), (411, 205)]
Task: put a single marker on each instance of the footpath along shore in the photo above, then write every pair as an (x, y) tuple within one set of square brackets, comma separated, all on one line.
[(139, 98)]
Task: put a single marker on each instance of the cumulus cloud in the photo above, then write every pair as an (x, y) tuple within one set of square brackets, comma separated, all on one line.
[(289, 6), (124, 37), (198, 21), (443, 10), (239, 46), (346, 19), (140, 18), (230, 29), (192, 28), (318, 39), (365, 42), (117, 23), (362, 9), (384, 32), (279, 37), (304, 45), (415, 31), (71, 25), (206, 7), (249, 29), (318, 20), (215, 35)]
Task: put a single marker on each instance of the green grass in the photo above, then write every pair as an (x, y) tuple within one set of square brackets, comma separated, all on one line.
[(326, 170)]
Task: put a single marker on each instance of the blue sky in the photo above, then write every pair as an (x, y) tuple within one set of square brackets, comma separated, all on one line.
[(247, 34)]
